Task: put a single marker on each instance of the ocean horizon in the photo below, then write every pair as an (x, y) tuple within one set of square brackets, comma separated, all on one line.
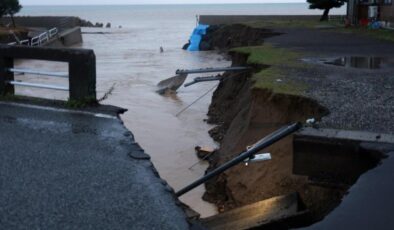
[(133, 15)]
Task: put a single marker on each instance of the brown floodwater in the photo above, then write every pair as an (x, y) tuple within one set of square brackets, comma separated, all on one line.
[(126, 60)]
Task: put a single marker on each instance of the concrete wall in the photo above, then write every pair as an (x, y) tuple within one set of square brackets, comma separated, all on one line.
[(231, 19), (46, 22), (67, 38)]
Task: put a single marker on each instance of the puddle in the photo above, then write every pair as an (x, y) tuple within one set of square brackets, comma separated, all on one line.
[(356, 62)]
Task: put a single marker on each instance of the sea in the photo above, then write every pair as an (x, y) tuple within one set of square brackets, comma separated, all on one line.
[(129, 61)]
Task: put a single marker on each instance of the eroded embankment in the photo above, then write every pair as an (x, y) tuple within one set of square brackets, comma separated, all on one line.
[(244, 114), (230, 36)]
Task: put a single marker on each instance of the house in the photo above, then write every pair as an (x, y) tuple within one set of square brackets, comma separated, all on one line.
[(362, 10)]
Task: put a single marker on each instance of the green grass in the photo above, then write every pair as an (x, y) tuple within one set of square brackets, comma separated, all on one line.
[(268, 55), (274, 77), (299, 23)]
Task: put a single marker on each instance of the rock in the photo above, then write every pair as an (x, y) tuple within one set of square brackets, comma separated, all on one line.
[(108, 25), (186, 46), (99, 25)]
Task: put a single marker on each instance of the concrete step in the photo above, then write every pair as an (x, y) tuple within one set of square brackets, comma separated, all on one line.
[(261, 213)]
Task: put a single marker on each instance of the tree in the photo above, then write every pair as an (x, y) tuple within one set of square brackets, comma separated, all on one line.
[(10, 7), (325, 5)]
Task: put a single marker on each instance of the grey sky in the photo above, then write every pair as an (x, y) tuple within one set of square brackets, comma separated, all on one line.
[(96, 2)]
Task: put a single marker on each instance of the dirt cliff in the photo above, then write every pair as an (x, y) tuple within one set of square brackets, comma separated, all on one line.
[(244, 114)]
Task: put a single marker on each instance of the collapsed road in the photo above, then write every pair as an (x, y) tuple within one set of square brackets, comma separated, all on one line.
[(61, 169)]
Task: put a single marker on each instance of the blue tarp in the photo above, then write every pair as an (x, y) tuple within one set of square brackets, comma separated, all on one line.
[(196, 37)]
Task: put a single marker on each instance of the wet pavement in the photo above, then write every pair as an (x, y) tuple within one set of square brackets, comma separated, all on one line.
[(62, 170), (357, 98)]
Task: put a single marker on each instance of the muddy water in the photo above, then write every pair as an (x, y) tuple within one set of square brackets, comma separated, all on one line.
[(133, 64), (129, 58)]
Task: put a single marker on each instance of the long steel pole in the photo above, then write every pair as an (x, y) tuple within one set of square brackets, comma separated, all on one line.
[(35, 72), (264, 143), (210, 70)]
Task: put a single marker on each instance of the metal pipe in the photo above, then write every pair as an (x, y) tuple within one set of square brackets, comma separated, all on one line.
[(36, 85), (42, 73), (264, 143), (210, 70), (202, 79)]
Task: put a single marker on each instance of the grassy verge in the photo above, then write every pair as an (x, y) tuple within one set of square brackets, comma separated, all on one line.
[(285, 23), (274, 77)]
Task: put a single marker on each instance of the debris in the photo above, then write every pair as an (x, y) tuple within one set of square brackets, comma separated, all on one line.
[(172, 83), (203, 151)]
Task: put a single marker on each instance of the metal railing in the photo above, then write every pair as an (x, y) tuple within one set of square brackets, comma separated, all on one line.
[(42, 73), (81, 75), (39, 39), (37, 85)]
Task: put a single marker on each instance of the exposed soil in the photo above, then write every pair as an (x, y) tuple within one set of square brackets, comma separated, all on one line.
[(243, 115), (230, 36), (6, 37)]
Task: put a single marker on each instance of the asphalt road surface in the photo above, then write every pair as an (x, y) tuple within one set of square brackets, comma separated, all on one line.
[(65, 170)]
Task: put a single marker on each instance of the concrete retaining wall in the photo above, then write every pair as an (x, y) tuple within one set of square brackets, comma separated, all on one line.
[(67, 38), (232, 19), (43, 21)]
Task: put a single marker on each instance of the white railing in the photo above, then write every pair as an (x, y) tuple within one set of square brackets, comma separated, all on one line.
[(39, 73), (35, 41), (52, 32), (24, 42), (38, 40)]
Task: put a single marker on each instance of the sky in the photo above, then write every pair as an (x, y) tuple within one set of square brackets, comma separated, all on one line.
[(126, 2)]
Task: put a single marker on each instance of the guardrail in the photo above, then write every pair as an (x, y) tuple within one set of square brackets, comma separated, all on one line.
[(81, 70), (39, 39)]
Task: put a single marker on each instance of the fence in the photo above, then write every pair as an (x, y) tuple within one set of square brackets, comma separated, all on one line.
[(39, 39)]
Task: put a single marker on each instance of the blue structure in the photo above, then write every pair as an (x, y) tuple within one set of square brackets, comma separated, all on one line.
[(196, 37)]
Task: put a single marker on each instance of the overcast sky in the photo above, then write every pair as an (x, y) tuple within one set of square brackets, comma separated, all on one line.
[(111, 2)]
